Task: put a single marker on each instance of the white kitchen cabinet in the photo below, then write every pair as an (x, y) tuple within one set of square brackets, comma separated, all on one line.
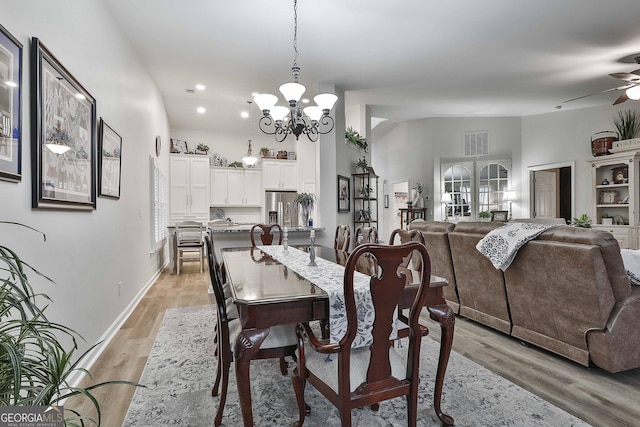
[(236, 187), (280, 174), (189, 177)]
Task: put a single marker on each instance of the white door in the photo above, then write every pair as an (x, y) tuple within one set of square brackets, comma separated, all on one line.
[(179, 171), (253, 193), (289, 176), (271, 175), (218, 187), (235, 187), (545, 194), (199, 184)]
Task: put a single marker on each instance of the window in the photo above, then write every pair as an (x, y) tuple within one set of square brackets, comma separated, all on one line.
[(472, 187), (159, 205)]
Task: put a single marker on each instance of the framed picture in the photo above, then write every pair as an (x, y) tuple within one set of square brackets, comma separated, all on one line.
[(110, 161), (178, 146), (344, 194), (63, 132), (10, 107), (500, 216)]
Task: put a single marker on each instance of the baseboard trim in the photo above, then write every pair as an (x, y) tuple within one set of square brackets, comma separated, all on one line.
[(78, 375)]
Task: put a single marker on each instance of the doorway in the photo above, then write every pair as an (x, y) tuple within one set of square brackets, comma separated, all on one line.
[(552, 190), (399, 196)]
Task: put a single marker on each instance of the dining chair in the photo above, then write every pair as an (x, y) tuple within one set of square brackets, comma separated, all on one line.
[(280, 342), (189, 239), (365, 235), (267, 233), (343, 237), (359, 377)]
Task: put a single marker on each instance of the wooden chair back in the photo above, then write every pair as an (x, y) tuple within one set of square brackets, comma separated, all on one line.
[(365, 235), (343, 237), (404, 236), (267, 233), (383, 378)]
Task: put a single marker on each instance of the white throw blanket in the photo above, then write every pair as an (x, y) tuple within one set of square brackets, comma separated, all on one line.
[(631, 261), (501, 245)]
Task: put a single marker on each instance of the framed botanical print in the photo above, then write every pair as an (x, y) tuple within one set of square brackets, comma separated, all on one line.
[(10, 107), (63, 132), (110, 161), (344, 194)]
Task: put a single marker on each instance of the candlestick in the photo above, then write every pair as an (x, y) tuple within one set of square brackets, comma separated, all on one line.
[(312, 250), (285, 239)]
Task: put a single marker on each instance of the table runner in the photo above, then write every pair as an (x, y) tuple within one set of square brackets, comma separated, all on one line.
[(329, 276)]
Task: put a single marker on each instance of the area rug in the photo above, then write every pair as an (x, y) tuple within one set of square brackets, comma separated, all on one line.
[(181, 369)]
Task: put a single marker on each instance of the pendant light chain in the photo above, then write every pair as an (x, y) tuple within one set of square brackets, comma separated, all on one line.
[(295, 68)]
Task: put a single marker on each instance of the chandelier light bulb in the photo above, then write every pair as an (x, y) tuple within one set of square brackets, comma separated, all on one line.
[(633, 93), (292, 91), (265, 101), (325, 101), (279, 113), (314, 112)]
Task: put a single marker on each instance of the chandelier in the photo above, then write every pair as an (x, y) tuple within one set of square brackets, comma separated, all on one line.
[(249, 159), (282, 121)]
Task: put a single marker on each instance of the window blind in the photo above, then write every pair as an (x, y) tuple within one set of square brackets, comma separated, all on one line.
[(159, 205)]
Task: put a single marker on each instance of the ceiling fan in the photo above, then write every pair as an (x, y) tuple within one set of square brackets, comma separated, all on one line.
[(631, 87)]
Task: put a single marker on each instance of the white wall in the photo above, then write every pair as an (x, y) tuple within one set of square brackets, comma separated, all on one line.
[(565, 136), (88, 253)]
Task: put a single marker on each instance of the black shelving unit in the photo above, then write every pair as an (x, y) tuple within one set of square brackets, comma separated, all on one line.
[(365, 190)]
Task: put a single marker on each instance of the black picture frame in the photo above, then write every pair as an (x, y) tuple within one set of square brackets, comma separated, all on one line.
[(10, 107), (500, 216), (344, 194), (110, 161), (63, 115)]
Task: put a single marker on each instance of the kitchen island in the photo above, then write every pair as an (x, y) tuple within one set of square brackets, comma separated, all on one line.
[(236, 235)]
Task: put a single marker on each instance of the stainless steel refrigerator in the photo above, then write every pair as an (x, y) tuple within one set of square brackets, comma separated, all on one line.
[(279, 208)]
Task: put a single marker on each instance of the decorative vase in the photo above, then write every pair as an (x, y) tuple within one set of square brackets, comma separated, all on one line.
[(419, 204), (305, 217)]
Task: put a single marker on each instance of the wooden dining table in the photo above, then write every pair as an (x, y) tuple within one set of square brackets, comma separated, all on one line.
[(268, 293)]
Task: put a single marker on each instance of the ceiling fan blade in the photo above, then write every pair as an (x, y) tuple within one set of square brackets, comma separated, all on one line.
[(603, 91), (627, 76), (621, 98)]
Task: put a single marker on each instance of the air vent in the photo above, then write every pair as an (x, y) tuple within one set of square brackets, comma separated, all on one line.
[(191, 91), (476, 144)]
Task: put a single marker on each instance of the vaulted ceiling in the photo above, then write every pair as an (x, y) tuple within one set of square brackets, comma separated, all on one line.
[(405, 59)]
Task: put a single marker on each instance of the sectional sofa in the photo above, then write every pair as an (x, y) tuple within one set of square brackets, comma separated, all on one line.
[(566, 291)]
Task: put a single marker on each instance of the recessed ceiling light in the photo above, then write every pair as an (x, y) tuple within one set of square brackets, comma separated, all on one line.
[(200, 86), (80, 96), (305, 100), (201, 110), (11, 84), (244, 114)]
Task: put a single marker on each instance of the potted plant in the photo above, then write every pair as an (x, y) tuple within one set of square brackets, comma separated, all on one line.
[(484, 216), (202, 149), (304, 203), (353, 137), (361, 164), (583, 221), (607, 219), (35, 366), (627, 123), (264, 152)]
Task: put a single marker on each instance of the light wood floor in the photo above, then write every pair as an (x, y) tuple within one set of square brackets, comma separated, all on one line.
[(600, 398)]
